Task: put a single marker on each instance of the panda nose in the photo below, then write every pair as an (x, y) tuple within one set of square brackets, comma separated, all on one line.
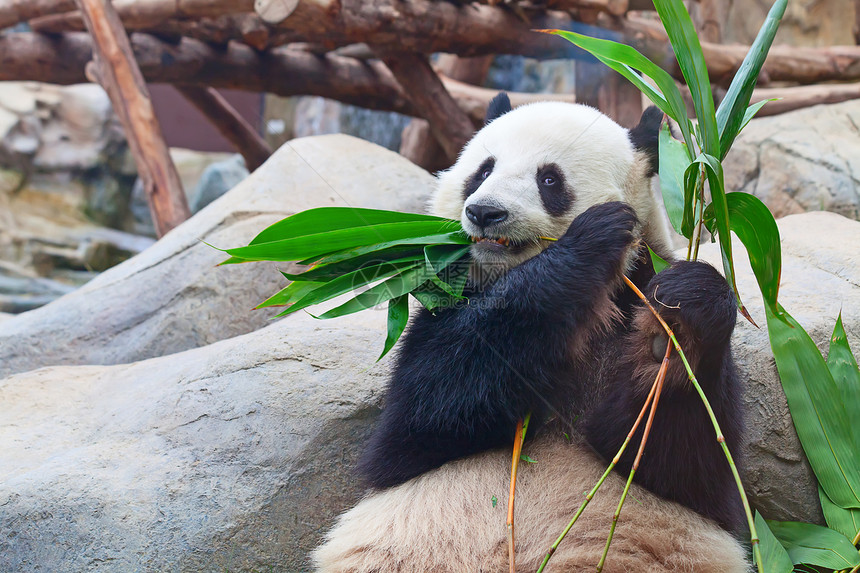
[(485, 215)]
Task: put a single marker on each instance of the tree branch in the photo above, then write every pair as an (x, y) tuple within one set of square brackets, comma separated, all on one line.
[(229, 123)]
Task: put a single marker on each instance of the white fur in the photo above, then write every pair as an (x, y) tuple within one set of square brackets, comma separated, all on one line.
[(445, 520)]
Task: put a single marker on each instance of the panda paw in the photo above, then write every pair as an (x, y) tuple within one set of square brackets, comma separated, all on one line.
[(695, 296), (604, 233)]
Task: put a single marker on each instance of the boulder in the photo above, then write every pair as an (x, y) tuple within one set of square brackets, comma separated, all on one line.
[(217, 179), (172, 298), (820, 278), (232, 457), (806, 160)]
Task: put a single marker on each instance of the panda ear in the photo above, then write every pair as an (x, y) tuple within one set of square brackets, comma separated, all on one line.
[(499, 106), (645, 137)]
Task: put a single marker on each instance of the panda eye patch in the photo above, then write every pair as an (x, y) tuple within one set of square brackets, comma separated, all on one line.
[(555, 196), (478, 177)]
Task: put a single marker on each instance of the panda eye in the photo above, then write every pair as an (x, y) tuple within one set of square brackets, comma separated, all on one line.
[(486, 172), (548, 180)]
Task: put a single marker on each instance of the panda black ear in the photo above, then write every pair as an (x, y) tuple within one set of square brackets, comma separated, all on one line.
[(645, 137), (499, 106)]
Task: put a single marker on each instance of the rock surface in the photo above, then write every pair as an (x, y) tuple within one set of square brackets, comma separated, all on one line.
[(807, 160), (820, 278), (171, 297), (233, 457)]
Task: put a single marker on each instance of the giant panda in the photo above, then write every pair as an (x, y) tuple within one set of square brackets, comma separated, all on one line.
[(549, 328)]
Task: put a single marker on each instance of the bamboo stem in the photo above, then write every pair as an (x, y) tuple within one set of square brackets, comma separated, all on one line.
[(661, 376), (720, 438), (698, 233), (519, 438), (599, 483)]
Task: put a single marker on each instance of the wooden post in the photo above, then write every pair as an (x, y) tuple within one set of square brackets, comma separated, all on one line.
[(115, 68), (229, 123)]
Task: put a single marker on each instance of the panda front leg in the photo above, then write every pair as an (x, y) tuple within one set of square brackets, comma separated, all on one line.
[(682, 461), (464, 376)]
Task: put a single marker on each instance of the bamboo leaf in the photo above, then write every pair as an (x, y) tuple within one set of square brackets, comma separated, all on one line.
[(817, 409), (349, 282), (327, 272), (691, 185), (452, 238), (846, 375), (324, 219), (754, 225), (398, 316), (750, 113), (307, 246), (845, 521), (657, 261), (729, 118), (628, 62), (292, 293), (394, 287), (691, 60), (815, 545), (773, 554), (673, 163)]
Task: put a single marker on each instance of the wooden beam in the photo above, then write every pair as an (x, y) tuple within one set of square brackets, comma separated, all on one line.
[(449, 124), (800, 97), (116, 70), (229, 123)]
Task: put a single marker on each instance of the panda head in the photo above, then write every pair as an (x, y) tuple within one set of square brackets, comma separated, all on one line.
[(530, 171)]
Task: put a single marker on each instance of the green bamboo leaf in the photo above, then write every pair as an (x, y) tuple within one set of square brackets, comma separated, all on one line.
[(817, 409), (398, 316), (657, 261), (324, 219), (307, 246), (627, 61), (349, 282), (327, 272), (673, 163), (451, 265), (691, 185), (394, 287), (773, 554), (290, 294), (233, 261), (729, 118), (815, 545), (750, 113), (431, 296), (754, 225), (452, 238), (845, 521), (691, 60), (846, 375)]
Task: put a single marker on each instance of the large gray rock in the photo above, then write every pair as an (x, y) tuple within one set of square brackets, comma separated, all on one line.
[(807, 160), (820, 278), (233, 457), (171, 297)]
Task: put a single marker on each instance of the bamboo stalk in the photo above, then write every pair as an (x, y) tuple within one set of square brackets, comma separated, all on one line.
[(519, 438), (612, 464), (720, 438), (661, 377)]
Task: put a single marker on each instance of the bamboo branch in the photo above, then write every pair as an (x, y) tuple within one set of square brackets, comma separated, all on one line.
[(229, 123), (519, 438), (118, 73)]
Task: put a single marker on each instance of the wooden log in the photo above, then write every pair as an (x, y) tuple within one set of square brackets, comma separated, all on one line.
[(229, 123), (800, 97), (449, 124), (118, 73), (417, 143), (600, 87), (474, 100), (135, 14)]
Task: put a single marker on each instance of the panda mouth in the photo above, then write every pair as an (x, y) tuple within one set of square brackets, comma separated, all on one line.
[(503, 241)]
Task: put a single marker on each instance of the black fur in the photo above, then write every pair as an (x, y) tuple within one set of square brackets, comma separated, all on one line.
[(555, 196), (534, 341), (498, 106), (682, 460), (645, 137)]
